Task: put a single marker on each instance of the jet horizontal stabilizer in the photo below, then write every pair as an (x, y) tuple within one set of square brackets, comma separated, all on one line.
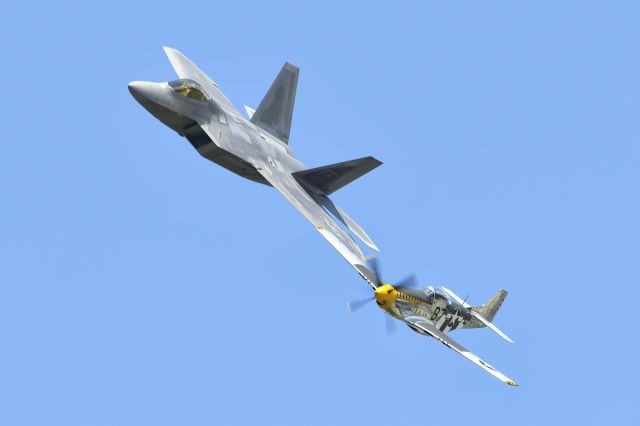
[(329, 179)]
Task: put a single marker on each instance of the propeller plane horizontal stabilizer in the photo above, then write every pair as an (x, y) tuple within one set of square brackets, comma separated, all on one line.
[(477, 315)]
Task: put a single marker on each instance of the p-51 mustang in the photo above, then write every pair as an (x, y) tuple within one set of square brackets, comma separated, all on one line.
[(258, 148), (435, 312)]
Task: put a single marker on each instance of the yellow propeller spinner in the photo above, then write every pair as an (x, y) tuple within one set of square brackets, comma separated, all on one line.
[(386, 295)]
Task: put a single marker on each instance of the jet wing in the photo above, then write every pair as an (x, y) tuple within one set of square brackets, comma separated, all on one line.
[(428, 327), (188, 70), (287, 185), (322, 200)]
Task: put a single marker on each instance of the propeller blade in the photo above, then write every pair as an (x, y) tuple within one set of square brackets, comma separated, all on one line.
[(411, 282), (390, 324), (357, 304), (375, 267)]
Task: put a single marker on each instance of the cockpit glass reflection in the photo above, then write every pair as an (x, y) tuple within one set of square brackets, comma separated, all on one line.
[(189, 89)]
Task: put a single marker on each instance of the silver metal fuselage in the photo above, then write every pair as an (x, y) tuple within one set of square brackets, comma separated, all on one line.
[(219, 134), (446, 314)]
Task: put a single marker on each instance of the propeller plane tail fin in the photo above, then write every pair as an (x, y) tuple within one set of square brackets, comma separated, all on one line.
[(487, 312), (490, 309)]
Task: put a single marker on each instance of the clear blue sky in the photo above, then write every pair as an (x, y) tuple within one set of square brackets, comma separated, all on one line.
[(141, 284)]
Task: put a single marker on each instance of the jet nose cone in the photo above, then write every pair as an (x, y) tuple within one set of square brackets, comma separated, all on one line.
[(141, 89)]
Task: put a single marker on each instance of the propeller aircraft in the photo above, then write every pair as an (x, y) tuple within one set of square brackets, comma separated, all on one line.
[(434, 312)]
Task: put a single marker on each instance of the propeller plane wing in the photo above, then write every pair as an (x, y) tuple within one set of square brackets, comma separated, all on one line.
[(429, 328)]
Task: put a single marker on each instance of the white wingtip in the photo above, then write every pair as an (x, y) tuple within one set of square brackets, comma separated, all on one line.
[(175, 58), (169, 50)]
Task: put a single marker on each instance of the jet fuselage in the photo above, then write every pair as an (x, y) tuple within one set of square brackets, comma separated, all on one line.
[(220, 135)]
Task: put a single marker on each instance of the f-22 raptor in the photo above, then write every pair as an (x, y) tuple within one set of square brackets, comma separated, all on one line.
[(258, 149)]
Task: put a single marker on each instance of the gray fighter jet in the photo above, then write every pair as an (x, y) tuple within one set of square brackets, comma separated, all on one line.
[(258, 148)]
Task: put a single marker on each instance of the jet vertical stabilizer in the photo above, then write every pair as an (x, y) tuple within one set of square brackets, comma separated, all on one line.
[(275, 112)]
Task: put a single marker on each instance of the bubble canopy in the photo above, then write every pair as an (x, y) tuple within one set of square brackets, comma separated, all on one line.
[(189, 89)]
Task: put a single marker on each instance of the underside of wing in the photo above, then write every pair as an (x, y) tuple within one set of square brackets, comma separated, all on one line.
[(321, 220), (326, 202), (429, 328)]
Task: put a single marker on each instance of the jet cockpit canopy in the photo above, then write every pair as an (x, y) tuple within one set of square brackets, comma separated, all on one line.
[(437, 293), (189, 89)]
